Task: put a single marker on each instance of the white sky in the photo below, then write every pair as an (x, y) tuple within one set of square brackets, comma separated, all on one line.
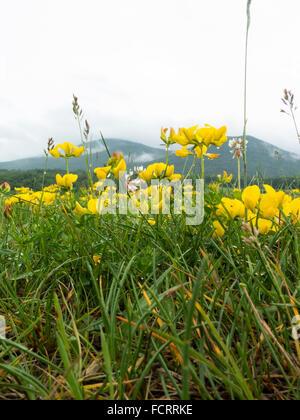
[(137, 65)]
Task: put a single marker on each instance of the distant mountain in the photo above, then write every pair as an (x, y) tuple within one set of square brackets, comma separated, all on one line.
[(263, 158)]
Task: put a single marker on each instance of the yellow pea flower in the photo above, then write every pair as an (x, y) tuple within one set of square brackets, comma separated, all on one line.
[(295, 210), (66, 181), (175, 177), (69, 151), (226, 179), (268, 206), (251, 196), (47, 198), (278, 196), (190, 133), (183, 153), (117, 164), (152, 222), (102, 172), (220, 137), (22, 190), (121, 167), (200, 151), (234, 207), (147, 174), (170, 139), (264, 226), (97, 259), (212, 156), (205, 135), (159, 170), (212, 136), (219, 230), (92, 205), (185, 136), (80, 210), (55, 153)]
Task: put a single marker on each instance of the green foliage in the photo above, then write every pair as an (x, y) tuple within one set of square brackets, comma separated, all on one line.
[(170, 311), (34, 178)]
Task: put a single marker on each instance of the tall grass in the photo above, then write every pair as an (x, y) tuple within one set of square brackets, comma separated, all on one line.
[(169, 312)]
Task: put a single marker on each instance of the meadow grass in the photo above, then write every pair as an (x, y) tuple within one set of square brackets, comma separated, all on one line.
[(169, 312)]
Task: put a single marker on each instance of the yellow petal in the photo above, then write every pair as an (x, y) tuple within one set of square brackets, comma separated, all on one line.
[(251, 196)]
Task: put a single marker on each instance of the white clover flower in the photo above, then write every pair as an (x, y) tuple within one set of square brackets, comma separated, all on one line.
[(237, 145)]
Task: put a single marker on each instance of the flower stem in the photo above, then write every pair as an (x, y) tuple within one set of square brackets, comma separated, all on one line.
[(192, 167), (67, 165), (239, 173), (245, 95), (202, 163)]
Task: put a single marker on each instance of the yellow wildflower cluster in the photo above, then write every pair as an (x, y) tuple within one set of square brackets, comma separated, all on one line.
[(200, 139), (66, 150), (26, 196), (262, 211), (265, 212), (159, 171)]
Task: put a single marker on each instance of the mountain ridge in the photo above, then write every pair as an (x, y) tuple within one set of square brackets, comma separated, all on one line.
[(263, 157)]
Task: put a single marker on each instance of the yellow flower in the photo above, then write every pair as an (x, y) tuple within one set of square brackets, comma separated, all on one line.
[(69, 151), (47, 198), (212, 136), (175, 177), (121, 167), (235, 208), (170, 139), (147, 174), (52, 188), (226, 179), (22, 190), (264, 226), (66, 181), (80, 210), (185, 136), (251, 196), (92, 205), (219, 230), (206, 135), (220, 137), (295, 210), (268, 207), (97, 259), (163, 135), (117, 164), (151, 222), (200, 151), (157, 171), (212, 156), (183, 153), (102, 172), (278, 196)]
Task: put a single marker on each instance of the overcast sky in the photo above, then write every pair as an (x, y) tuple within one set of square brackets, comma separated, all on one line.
[(137, 65)]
